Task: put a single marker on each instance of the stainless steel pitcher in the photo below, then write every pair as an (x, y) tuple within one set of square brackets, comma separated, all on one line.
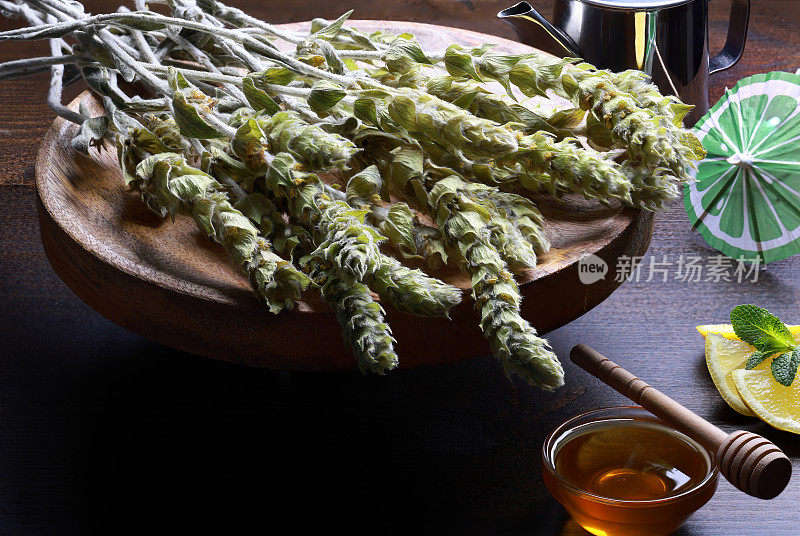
[(667, 39)]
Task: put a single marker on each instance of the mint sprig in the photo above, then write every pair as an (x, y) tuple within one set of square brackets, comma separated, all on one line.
[(755, 359), (764, 331), (784, 367)]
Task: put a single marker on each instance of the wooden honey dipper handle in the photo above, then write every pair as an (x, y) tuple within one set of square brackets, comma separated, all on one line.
[(748, 461)]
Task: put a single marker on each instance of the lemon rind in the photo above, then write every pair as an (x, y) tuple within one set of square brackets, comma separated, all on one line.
[(726, 330), (776, 421), (733, 399)]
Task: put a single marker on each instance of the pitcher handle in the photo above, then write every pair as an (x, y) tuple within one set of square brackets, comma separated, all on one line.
[(737, 34)]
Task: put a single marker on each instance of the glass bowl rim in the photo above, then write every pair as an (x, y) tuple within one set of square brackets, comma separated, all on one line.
[(567, 426)]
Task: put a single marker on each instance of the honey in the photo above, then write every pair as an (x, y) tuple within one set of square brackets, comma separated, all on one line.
[(622, 472), (630, 460)]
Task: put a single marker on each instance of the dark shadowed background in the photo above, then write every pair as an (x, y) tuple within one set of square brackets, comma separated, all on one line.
[(104, 432)]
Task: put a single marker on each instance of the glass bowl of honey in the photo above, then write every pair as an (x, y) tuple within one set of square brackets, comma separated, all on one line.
[(622, 471)]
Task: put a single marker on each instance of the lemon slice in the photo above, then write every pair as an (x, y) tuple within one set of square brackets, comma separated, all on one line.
[(726, 330), (774, 403), (722, 357)]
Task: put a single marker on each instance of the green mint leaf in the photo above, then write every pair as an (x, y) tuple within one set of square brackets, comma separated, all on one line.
[(761, 329), (784, 367), (770, 345), (755, 359)]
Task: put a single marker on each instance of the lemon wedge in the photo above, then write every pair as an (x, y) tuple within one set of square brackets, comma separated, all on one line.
[(723, 356), (726, 330), (774, 403)]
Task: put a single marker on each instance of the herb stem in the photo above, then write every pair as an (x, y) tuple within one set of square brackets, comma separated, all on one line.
[(135, 19), (56, 72), (57, 88), (202, 58), (28, 66), (237, 17), (220, 125), (144, 74)]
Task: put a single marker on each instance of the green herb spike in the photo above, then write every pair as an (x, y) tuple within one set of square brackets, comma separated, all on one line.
[(447, 124), (430, 119), (349, 243), (638, 85), (523, 215), (515, 223), (649, 141), (166, 180), (361, 319), (625, 110), (411, 291), (558, 167), (513, 247), (512, 339), (651, 189), (478, 101), (312, 146), (538, 163), (352, 245)]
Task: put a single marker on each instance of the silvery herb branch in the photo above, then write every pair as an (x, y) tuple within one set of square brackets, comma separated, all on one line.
[(238, 133)]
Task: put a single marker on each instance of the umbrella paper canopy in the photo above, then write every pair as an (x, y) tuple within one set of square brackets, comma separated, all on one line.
[(745, 200)]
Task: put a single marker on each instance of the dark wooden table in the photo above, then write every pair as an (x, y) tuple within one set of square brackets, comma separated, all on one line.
[(104, 432)]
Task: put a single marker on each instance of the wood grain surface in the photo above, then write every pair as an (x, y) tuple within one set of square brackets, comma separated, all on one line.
[(164, 280), (103, 432)]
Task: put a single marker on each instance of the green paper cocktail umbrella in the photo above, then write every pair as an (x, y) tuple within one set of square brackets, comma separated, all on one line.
[(745, 200)]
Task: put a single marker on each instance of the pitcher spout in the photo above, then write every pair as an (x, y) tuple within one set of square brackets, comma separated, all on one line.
[(534, 30)]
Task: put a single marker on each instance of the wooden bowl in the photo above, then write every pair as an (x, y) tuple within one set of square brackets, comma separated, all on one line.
[(164, 280)]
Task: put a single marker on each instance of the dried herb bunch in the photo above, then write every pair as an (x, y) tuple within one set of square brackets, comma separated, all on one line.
[(236, 132)]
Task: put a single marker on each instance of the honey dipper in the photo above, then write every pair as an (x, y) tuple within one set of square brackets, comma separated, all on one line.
[(749, 462)]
